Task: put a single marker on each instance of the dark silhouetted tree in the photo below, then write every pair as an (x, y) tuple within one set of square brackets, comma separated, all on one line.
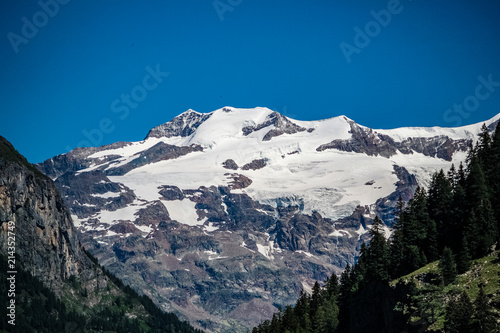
[(448, 266), (458, 314), (484, 320)]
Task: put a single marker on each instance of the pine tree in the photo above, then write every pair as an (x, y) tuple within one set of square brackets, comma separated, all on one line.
[(332, 287), (397, 243), (396, 254), (307, 323), (413, 259), (484, 320), (418, 218), (458, 314), (302, 307), (332, 316), (447, 266), (459, 212), (461, 177), (377, 253), (439, 203), (483, 146), (345, 294), (452, 176), (358, 272), (463, 258), (316, 299), (430, 247), (319, 322), (485, 228), (471, 153), (275, 325), (289, 319), (411, 241)]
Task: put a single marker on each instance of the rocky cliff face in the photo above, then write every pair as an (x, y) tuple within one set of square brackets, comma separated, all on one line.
[(46, 241), (225, 216)]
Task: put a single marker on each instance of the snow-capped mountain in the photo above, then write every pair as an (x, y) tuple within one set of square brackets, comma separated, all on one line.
[(222, 216)]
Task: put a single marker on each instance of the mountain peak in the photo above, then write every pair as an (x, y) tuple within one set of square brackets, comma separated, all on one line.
[(227, 117), (183, 125)]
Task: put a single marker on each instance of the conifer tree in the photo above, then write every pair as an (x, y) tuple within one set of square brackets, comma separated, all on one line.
[(430, 244), (275, 325), (458, 314), (452, 175), (358, 272), (484, 227), (413, 259), (316, 299), (460, 208), (397, 243), (417, 219), (289, 320), (332, 287), (396, 254), (463, 258), (461, 177), (440, 203), (377, 254), (484, 320), (411, 237), (302, 306), (448, 266), (345, 293), (332, 316), (319, 322), (483, 146)]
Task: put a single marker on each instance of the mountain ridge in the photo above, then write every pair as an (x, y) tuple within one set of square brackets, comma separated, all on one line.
[(243, 202)]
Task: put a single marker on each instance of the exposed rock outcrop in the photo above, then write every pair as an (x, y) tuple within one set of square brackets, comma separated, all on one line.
[(46, 241), (367, 141), (230, 164), (255, 164), (182, 125), (281, 125)]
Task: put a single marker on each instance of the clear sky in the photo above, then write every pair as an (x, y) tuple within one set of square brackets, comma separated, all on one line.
[(96, 72)]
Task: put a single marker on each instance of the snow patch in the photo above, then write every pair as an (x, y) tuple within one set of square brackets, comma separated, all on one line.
[(340, 233), (145, 229), (213, 255), (183, 211), (76, 221), (127, 213), (210, 227), (107, 195), (310, 255)]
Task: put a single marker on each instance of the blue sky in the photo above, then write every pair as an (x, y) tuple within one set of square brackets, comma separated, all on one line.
[(96, 72)]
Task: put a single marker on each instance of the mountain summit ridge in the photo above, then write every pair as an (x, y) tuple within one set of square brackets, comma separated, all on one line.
[(413, 130)]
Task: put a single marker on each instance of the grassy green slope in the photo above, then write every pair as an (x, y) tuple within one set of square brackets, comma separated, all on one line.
[(428, 306)]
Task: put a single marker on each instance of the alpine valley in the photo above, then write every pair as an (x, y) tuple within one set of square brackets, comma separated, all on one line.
[(222, 217)]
